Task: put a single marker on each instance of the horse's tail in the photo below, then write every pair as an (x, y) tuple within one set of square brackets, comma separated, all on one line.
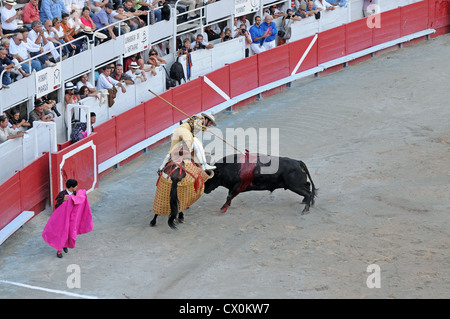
[(314, 190), (174, 202)]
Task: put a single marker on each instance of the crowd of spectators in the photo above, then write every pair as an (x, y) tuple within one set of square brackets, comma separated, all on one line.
[(49, 29), (43, 25)]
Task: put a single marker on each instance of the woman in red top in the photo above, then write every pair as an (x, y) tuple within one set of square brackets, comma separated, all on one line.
[(86, 20)]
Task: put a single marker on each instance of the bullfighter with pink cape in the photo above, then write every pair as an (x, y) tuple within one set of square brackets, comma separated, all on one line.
[(71, 218)]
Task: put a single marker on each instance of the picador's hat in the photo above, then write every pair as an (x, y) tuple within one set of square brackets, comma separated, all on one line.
[(210, 117)]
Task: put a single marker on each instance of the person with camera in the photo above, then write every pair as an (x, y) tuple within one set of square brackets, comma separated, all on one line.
[(243, 32), (185, 48), (226, 36), (199, 43)]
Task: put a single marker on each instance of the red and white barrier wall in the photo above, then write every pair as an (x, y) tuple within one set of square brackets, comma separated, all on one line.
[(141, 127)]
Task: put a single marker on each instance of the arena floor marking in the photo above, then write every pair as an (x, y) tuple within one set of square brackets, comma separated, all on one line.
[(48, 290)]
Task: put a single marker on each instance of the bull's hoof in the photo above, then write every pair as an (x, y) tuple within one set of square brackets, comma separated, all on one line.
[(180, 218), (152, 223)]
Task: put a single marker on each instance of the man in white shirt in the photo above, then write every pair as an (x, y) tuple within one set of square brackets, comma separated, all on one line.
[(7, 133), (9, 17), (36, 36), (134, 73), (84, 82), (199, 43), (105, 81), (19, 52)]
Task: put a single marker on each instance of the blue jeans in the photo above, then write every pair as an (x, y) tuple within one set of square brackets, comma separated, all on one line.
[(6, 80), (35, 65)]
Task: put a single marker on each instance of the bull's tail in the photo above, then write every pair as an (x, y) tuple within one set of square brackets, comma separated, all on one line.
[(314, 190)]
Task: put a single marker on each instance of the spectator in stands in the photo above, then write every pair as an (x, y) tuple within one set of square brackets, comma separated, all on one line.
[(323, 5), (61, 36), (154, 59), (269, 28), (7, 65), (49, 104), (104, 18), (17, 72), (51, 9), (125, 26), (243, 32), (139, 4), (86, 20), (243, 20), (30, 13), (227, 35), (146, 67), (9, 17), (70, 33), (50, 35), (210, 34), (134, 73), (36, 36), (311, 10), (88, 27), (84, 92), (129, 60), (186, 48), (258, 35), (35, 49), (93, 118), (76, 5), (84, 82), (7, 133), (163, 48), (40, 113), (19, 52), (105, 81), (129, 8), (199, 43), (18, 123), (71, 96), (118, 75), (274, 12)]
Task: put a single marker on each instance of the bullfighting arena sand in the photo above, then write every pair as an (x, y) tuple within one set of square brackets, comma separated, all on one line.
[(376, 139)]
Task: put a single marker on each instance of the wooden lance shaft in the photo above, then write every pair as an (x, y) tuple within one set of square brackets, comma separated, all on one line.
[(182, 112)]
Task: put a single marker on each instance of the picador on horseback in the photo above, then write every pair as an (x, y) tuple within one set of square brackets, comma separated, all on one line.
[(184, 170)]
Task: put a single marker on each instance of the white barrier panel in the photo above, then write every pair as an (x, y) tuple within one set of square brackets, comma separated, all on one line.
[(228, 52), (205, 61), (17, 153), (219, 10), (335, 18), (135, 41), (48, 80)]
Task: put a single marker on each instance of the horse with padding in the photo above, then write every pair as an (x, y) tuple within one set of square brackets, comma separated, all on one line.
[(179, 185)]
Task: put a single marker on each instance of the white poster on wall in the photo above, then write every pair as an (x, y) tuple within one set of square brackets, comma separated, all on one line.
[(48, 80), (243, 7), (135, 42)]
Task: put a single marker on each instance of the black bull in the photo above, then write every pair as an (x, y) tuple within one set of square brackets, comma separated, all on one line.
[(251, 172)]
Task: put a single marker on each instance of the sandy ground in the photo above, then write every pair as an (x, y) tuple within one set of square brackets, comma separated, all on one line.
[(376, 139)]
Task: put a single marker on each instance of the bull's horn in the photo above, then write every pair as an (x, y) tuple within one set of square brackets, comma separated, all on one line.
[(210, 173)]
